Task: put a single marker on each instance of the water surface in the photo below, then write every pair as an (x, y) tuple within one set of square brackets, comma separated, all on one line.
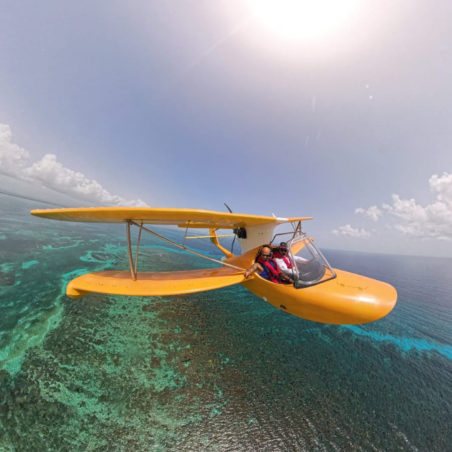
[(214, 371)]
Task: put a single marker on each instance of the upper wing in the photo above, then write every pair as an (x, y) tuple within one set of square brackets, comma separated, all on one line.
[(180, 217)]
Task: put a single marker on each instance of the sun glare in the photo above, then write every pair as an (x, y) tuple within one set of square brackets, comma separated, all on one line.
[(301, 19)]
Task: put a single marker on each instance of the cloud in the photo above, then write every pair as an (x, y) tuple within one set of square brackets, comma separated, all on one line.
[(372, 212), (432, 221), (12, 157), (443, 186), (348, 231), (50, 173)]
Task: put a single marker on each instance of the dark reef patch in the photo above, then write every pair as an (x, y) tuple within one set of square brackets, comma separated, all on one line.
[(7, 278)]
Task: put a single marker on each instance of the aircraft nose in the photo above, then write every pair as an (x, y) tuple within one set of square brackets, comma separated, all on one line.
[(377, 301), (368, 299)]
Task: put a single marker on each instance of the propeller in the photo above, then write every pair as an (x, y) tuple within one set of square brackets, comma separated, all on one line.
[(239, 232), (227, 207)]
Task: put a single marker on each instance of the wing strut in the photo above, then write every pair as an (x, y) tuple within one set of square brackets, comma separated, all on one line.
[(142, 228), (129, 246), (138, 246)]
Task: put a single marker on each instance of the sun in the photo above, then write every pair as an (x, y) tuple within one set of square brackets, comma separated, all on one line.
[(301, 19)]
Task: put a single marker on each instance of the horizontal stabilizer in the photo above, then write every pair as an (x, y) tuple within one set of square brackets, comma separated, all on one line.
[(153, 284)]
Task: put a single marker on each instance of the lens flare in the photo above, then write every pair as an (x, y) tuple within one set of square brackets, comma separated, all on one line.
[(301, 19)]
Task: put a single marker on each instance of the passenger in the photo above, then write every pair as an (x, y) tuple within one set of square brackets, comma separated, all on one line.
[(267, 268), (284, 260)]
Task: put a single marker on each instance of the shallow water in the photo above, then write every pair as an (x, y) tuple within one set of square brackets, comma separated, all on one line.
[(214, 371)]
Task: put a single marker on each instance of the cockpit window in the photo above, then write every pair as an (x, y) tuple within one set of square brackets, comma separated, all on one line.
[(310, 267)]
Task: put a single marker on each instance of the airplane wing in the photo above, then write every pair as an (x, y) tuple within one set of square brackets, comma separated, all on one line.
[(193, 218), (259, 230), (154, 284)]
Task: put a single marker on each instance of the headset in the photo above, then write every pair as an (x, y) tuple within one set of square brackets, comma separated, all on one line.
[(265, 246)]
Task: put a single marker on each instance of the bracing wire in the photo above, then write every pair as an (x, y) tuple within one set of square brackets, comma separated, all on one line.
[(183, 247)]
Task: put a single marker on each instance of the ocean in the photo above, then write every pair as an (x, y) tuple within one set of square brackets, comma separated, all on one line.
[(214, 371)]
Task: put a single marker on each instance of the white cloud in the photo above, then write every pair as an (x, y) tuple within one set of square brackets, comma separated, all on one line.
[(443, 186), (372, 212), (12, 157), (412, 219), (50, 173), (431, 221), (348, 231)]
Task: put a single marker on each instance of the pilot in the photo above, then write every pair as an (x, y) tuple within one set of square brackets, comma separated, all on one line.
[(267, 268), (285, 262)]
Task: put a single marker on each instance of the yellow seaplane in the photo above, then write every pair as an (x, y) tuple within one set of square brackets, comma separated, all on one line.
[(319, 292)]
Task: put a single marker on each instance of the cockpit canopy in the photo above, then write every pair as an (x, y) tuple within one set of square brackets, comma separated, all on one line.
[(310, 267)]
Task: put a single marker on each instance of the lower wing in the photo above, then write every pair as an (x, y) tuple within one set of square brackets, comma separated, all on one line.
[(153, 284)]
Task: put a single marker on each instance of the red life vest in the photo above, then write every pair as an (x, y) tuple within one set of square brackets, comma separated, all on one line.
[(273, 272), (285, 258)]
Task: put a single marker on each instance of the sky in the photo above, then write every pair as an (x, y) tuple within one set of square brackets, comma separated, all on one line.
[(340, 112)]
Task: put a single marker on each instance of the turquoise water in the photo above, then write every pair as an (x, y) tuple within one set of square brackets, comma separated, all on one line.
[(215, 371)]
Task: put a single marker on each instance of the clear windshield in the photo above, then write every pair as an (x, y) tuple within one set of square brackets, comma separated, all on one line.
[(311, 266)]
